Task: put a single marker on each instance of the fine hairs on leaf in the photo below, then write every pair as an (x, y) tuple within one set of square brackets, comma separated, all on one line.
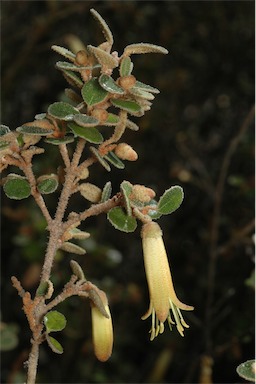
[(104, 93)]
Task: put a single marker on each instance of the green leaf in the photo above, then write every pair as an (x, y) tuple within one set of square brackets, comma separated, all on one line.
[(54, 321), (139, 48), (72, 78), (106, 192), (54, 344), (64, 65), (62, 110), (73, 248), (126, 66), (42, 289), (100, 159), (153, 213), (17, 187), (113, 159), (47, 184), (111, 120), (105, 28), (91, 134), (108, 83), (247, 370), (103, 57), (126, 188), (40, 116), (170, 200), (121, 221), (127, 105), (4, 129), (93, 93), (145, 87), (63, 140), (77, 270), (64, 52), (141, 93), (8, 335), (85, 121), (34, 130)]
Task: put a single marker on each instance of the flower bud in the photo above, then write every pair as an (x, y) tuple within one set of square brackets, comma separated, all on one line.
[(126, 152), (100, 114), (81, 57), (142, 193), (102, 330), (127, 82)]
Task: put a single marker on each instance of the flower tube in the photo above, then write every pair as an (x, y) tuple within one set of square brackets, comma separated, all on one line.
[(102, 330), (163, 299)]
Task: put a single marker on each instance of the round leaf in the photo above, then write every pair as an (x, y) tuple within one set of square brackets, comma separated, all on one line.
[(54, 321), (85, 121), (62, 140), (9, 339), (108, 83), (54, 344), (47, 184), (93, 93), (170, 200), (91, 134), (247, 370), (127, 105), (121, 221), (62, 110), (17, 188)]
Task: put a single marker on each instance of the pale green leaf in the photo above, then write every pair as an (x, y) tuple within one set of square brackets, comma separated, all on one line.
[(126, 66), (54, 344), (62, 111), (127, 105), (170, 200), (247, 370), (108, 83), (17, 188), (54, 321)]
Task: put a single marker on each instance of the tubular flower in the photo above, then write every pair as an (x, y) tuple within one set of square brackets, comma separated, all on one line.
[(163, 299), (102, 330)]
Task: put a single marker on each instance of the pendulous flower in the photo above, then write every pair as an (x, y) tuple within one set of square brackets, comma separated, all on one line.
[(163, 299), (102, 329)]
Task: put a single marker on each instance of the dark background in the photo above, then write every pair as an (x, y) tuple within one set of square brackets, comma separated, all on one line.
[(199, 128)]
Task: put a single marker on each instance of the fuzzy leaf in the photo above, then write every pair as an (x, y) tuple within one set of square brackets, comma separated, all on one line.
[(143, 48), (64, 52), (141, 93), (92, 92), (105, 29), (170, 200), (72, 78), (47, 184), (108, 83), (103, 57), (247, 370), (34, 130), (126, 188), (126, 66), (153, 213), (91, 134), (78, 234), (100, 159), (131, 125), (85, 121), (111, 120), (64, 65), (106, 192), (145, 87), (54, 321), (113, 159), (63, 140), (42, 289), (40, 116), (17, 188), (72, 248), (127, 105), (77, 270), (62, 110), (121, 221), (54, 344), (4, 129)]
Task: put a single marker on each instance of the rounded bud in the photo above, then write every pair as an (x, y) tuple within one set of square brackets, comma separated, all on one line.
[(127, 82), (126, 152), (81, 57), (100, 114), (142, 193)]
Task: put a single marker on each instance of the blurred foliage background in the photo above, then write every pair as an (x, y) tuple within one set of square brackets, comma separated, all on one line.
[(199, 134)]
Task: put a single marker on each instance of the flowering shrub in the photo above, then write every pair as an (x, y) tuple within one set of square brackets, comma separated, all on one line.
[(104, 93)]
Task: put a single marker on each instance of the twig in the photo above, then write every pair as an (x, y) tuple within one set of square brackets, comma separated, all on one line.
[(64, 154)]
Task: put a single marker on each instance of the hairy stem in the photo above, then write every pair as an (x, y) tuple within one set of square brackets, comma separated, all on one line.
[(32, 363)]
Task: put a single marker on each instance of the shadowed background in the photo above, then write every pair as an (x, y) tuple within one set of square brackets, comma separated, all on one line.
[(199, 134)]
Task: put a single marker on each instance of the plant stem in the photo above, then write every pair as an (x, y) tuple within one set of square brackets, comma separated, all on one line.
[(32, 363)]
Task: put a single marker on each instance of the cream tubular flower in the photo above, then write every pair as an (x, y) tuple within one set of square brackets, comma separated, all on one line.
[(163, 299), (102, 330)]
